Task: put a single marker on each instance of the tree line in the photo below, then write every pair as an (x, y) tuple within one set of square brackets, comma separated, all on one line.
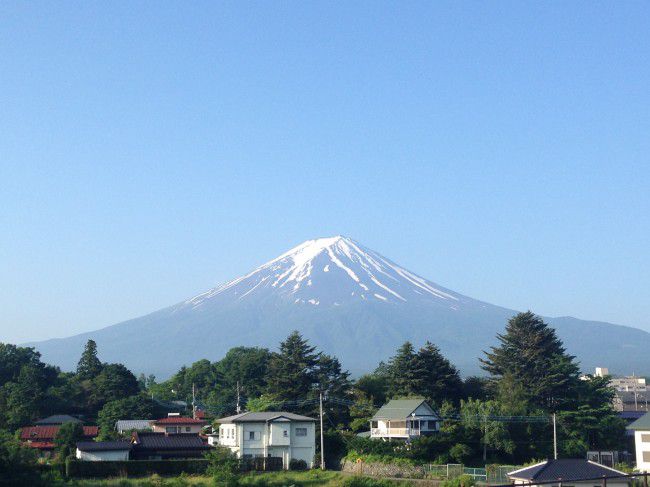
[(528, 374)]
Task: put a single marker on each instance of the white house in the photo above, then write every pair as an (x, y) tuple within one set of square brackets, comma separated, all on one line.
[(270, 434), (575, 472), (404, 419), (641, 428), (103, 451)]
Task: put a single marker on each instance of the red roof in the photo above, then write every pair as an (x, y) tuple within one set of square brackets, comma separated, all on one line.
[(178, 420), (41, 445), (44, 433)]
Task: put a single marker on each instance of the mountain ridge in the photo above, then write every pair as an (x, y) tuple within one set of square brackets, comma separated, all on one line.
[(345, 298)]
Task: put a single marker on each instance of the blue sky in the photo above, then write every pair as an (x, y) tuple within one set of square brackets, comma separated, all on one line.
[(151, 150)]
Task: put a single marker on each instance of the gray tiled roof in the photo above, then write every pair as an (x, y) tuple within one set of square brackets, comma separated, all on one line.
[(565, 469), (103, 445), (263, 417), (162, 441)]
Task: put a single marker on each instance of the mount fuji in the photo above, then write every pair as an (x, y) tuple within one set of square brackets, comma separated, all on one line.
[(349, 301)]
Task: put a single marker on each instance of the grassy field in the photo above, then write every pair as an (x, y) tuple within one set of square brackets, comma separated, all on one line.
[(274, 479)]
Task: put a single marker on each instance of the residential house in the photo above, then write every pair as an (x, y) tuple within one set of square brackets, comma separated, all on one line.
[(174, 424), (641, 429), (161, 446), (42, 437), (275, 434), (404, 419), (57, 420), (103, 451), (127, 425), (568, 472)]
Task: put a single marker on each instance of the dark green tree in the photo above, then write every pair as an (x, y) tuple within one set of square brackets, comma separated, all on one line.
[(402, 372), (89, 365), (293, 371), (334, 383), (531, 354), (435, 377), (16, 462), (115, 381)]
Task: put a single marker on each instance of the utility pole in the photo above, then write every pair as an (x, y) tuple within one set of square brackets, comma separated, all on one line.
[(238, 406), (193, 401), (554, 438), (322, 439)]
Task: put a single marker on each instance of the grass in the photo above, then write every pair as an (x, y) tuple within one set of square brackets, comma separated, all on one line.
[(312, 478)]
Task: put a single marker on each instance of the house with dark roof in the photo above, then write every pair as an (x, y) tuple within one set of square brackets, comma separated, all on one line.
[(161, 446), (274, 434), (568, 472), (57, 420), (103, 451), (404, 419), (175, 424), (641, 430), (42, 437)]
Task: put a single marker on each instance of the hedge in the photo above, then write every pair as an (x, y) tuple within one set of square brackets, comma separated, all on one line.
[(133, 468)]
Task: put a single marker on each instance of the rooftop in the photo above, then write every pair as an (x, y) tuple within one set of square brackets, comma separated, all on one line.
[(103, 445), (565, 469), (57, 419), (263, 417), (399, 408), (643, 423), (178, 420), (162, 441), (49, 432)]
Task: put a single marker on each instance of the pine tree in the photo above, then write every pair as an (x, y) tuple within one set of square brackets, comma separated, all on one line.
[(334, 383), (531, 354), (402, 372), (292, 371), (435, 377), (89, 365)]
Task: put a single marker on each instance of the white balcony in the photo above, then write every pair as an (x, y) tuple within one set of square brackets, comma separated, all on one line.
[(394, 432)]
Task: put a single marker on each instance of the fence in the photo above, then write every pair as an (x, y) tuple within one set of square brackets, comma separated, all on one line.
[(491, 474)]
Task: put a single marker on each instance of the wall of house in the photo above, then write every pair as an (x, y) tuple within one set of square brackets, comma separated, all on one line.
[(280, 433), (228, 435), (642, 447), (102, 456), (180, 428)]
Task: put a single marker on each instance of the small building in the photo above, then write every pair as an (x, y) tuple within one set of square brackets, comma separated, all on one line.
[(278, 434), (641, 429), (161, 446), (175, 424), (103, 451), (404, 419), (127, 425), (568, 471), (57, 420), (42, 437)]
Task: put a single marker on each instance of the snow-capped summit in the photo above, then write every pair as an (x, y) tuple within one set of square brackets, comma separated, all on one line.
[(330, 272)]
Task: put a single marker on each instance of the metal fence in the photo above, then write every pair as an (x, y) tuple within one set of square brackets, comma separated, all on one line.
[(491, 474)]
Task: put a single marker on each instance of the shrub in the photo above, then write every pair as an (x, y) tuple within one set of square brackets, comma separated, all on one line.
[(296, 464)]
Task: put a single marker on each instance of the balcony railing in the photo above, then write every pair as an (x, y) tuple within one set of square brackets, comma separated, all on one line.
[(394, 432)]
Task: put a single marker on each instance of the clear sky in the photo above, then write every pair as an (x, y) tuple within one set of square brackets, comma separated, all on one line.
[(152, 150)]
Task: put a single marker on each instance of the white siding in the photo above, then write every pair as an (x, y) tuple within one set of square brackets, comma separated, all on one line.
[(642, 450), (102, 456)]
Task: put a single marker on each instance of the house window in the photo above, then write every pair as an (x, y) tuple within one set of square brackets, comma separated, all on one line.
[(188, 429), (170, 429), (285, 433), (301, 431), (646, 456), (253, 435), (645, 438)]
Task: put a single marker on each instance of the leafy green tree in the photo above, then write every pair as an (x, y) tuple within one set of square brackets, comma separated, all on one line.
[(374, 386), (477, 417), (435, 377), (65, 441), (16, 461), (115, 381), (262, 403), (292, 371), (133, 407), (532, 355), (89, 366), (335, 384)]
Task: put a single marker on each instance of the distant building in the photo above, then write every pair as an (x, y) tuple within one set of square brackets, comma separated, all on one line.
[(57, 420), (42, 437), (174, 424), (404, 419), (103, 451), (567, 471), (632, 392), (641, 429), (278, 435), (127, 425), (161, 446)]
